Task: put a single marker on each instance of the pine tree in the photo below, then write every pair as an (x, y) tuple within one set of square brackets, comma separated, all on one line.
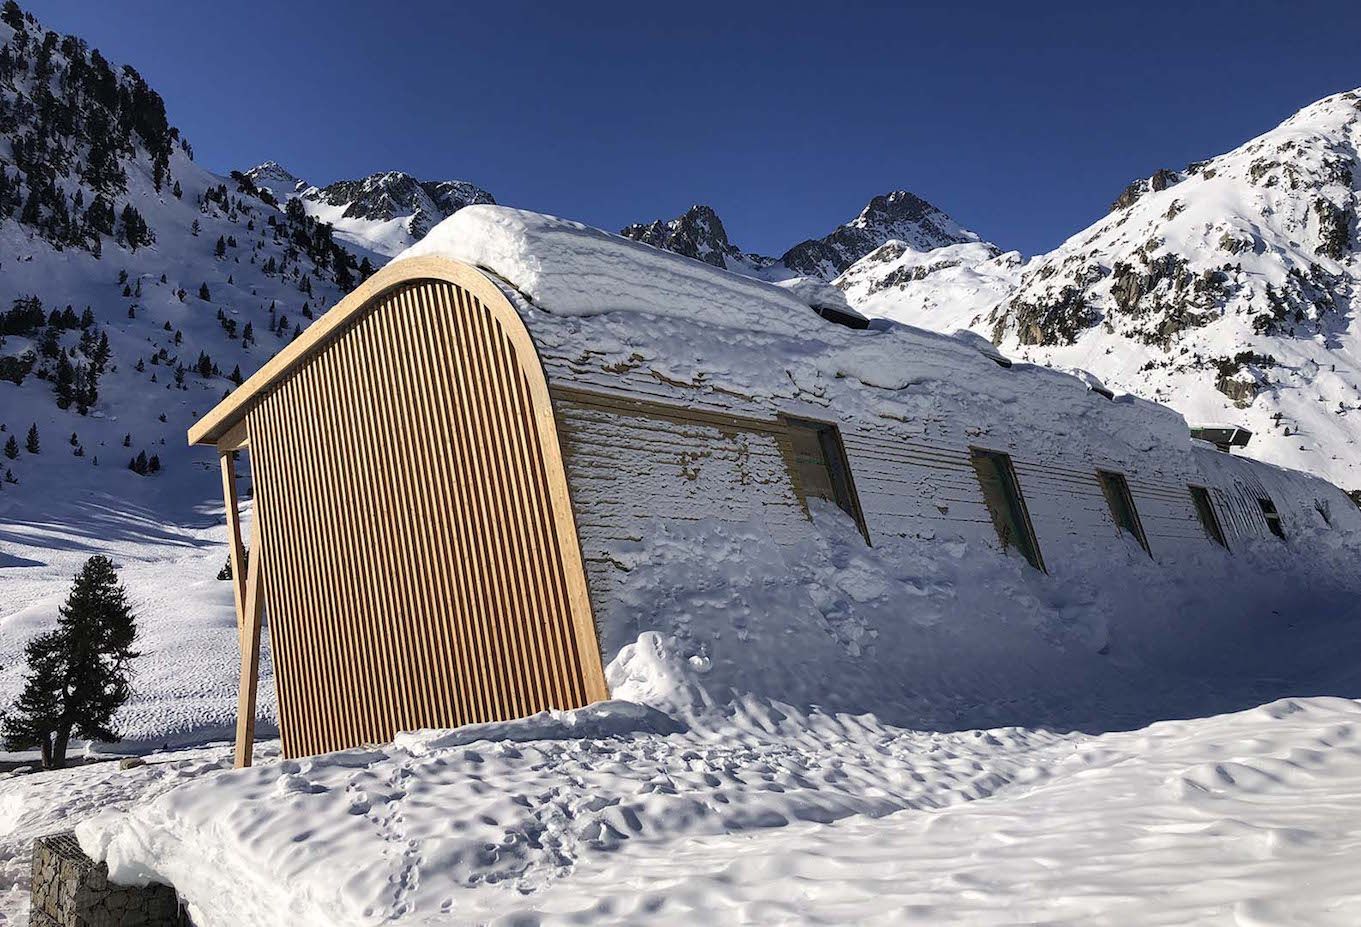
[(12, 448), (203, 293), (176, 190), (65, 382), (79, 674), (220, 249), (32, 445)]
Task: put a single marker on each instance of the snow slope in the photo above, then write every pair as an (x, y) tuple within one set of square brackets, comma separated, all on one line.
[(1244, 818), (1230, 293), (943, 289), (162, 529)]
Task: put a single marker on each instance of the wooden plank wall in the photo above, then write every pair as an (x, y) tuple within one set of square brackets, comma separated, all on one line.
[(415, 561), (631, 468), (634, 465)]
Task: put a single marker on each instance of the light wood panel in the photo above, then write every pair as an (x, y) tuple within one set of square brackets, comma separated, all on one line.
[(424, 566), (249, 681), (235, 552)]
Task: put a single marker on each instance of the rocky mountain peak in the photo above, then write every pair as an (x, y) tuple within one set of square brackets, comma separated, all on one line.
[(277, 179), (387, 195), (697, 233), (383, 212), (897, 216)]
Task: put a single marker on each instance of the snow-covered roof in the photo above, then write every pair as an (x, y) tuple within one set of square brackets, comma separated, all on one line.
[(569, 268), (595, 302)]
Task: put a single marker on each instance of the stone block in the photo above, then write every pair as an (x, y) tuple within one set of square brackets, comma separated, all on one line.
[(71, 890)]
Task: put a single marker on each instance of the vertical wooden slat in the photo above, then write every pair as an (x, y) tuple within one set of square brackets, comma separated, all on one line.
[(370, 431), (317, 495), (548, 613), (482, 491), (250, 649), (506, 554), (416, 483), (234, 549)]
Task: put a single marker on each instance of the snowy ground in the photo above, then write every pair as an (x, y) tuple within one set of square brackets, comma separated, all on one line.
[(1247, 818), (735, 781)]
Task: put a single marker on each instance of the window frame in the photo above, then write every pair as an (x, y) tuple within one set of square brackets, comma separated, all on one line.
[(1208, 517), (1018, 512), (1115, 487), (1272, 516), (837, 463)]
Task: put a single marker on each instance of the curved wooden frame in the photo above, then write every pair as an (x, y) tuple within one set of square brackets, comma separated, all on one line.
[(224, 427)]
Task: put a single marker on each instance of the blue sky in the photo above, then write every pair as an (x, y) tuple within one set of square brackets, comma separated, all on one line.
[(1022, 121)]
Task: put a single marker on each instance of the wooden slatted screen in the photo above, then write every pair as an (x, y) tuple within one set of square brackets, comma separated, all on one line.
[(422, 566)]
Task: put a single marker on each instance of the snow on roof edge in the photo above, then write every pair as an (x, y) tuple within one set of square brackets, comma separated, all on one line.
[(569, 268)]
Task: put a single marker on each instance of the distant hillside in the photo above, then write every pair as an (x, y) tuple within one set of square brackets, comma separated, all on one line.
[(136, 288)]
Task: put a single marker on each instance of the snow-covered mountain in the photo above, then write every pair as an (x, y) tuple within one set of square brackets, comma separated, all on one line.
[(1228, 289), (136, 288), (383, 213), (898, 216)]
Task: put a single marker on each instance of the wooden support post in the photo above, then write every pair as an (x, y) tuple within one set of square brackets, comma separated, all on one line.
[(236, 554), (250, 646)]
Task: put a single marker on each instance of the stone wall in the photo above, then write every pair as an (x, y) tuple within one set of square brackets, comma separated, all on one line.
[(71, 890)]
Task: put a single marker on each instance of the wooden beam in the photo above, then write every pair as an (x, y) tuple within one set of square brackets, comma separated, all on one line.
[(250, 647), (235, 552), (234, 439)]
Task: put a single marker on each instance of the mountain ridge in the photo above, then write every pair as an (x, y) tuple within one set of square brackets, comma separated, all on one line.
[(898, 215), (383, 213)]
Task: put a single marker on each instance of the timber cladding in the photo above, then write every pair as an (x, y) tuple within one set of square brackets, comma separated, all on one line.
[(421, 564)]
